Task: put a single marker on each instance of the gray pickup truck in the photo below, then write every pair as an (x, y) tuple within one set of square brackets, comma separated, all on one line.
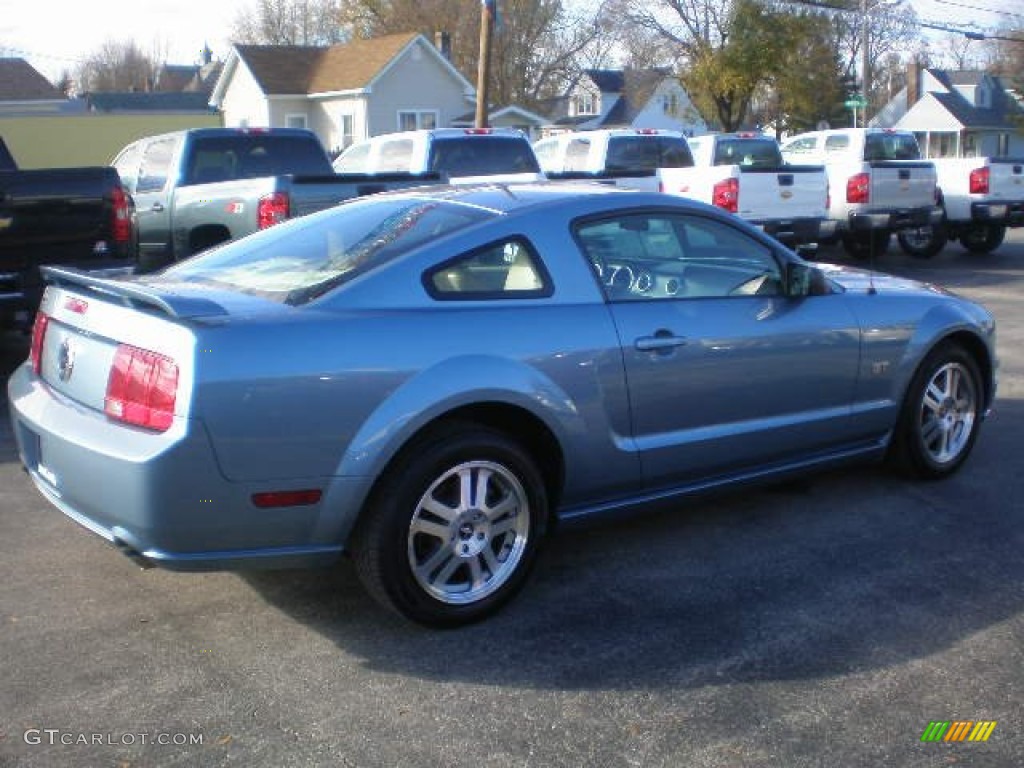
[(196, 188)]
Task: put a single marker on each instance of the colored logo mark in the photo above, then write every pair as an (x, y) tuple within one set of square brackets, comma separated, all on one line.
[(958, 730)]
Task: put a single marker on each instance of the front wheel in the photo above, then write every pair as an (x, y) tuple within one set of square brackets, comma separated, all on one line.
[(941, 415), (923, 242), (454, 527), (982, 238)]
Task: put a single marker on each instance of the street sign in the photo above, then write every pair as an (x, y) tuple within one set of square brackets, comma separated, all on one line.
[(856, 102)]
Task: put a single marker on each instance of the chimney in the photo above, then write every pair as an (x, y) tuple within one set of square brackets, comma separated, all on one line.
[(443, 43), (913, 82)]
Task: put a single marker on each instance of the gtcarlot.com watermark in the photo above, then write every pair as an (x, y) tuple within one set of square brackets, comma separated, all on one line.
[(57, 737)]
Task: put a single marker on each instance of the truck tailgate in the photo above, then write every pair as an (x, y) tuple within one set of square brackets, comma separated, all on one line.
[(783, 193), (902, 184), (1006, 179)]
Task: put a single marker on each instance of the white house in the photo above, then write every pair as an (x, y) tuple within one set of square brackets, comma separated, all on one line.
[(345, 92), (629, 98), (956, 113)]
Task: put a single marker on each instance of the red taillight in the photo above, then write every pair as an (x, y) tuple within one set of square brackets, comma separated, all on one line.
[(858, 188), (142, 388), (122, 215), (979, 181), (273, 209), (39, 327), (726, 195), (286, 498)]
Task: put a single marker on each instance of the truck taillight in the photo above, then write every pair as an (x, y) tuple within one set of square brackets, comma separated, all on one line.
[(858, 188), (122, 215), (272, 209), (142, 388), (979, 181), (726, 195), (39, 327)]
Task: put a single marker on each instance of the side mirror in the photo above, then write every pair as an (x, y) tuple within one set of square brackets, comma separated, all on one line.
[(805, 280)]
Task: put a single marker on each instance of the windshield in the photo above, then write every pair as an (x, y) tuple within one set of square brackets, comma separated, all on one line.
[(249, 156), (891, 146), (760, 153), (297, 261)]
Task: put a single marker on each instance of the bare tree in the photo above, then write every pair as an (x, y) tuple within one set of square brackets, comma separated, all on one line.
[(293, 22), (117, 66)]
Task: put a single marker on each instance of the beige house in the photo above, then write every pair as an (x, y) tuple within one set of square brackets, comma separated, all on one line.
[(343, 93)]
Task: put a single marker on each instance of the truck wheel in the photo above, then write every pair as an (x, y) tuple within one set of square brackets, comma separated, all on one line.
[(923, 242), (453, 527), (982, 238), (863, 245)]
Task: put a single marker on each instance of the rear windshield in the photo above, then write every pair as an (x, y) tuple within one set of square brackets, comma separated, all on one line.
[(299, 260), (249, 156), (647, 153), (891, 146), (759, 153), (482, 156)]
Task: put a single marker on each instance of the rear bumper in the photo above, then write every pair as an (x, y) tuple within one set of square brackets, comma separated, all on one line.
[(803, 231), (160, 498), (1010, 214), (895, 219)]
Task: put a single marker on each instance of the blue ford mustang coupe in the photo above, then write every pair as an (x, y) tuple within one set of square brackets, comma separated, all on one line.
[(428, 380)]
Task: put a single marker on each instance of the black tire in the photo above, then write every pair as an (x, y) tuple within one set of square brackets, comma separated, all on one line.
[(982, 238), (473, 554), (941, 415), (923, 242), (863, 245)]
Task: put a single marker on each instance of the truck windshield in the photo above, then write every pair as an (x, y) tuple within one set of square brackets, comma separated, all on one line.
[(304, 258), (482, 156), (250, 156), (759, 153), (891, 146), (647, 153)]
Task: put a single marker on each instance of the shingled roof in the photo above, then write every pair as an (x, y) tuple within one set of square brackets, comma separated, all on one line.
[(290, 70), (20, 81)]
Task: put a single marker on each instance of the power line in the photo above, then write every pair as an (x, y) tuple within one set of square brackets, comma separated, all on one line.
[(979, 8)]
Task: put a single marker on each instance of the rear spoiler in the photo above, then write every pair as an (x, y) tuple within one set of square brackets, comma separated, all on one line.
[(132, 294)]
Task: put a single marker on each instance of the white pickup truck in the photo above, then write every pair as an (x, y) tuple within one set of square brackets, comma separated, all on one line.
[(878, 183), (745, 173), (980, 198), (452, 155), (624, 157)]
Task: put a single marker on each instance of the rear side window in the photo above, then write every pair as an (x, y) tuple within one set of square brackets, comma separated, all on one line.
[(243, 156), (395, 156), (507, 269), (304, 258), (891, 146), (353, 160), (576, 155), (838, 143), (482, 156)]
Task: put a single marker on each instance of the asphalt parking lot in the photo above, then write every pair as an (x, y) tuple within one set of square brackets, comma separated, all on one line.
[(824, 623)]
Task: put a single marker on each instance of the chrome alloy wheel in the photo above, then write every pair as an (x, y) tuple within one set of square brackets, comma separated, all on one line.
[(948, 410), (469, 532)]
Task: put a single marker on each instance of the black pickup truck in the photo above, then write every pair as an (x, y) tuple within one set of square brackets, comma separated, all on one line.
[(199, 187), (79, 217)]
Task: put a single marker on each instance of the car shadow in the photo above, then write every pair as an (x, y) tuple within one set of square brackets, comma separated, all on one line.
[(844, 573)]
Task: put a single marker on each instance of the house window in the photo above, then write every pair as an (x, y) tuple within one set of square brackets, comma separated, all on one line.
[(1004, 145), (295, 121), (585, 103), (413, 120), (670, 103), (345, 129)]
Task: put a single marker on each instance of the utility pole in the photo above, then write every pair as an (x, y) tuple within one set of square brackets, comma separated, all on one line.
[(865, 61), (483, 70)]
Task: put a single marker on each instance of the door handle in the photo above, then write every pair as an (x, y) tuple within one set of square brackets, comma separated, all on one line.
[(157, 208), (662, 340)]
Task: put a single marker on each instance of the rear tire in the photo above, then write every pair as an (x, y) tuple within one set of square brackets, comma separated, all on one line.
[(863, 245), (453, 528), (941, 415), (923, 242), (982, 238)]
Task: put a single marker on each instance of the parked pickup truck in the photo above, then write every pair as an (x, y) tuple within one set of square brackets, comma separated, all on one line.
[(624, 157), (196, 188), (77, 217), (878, 183), (745, 174), (457, 155), (980, 198)]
